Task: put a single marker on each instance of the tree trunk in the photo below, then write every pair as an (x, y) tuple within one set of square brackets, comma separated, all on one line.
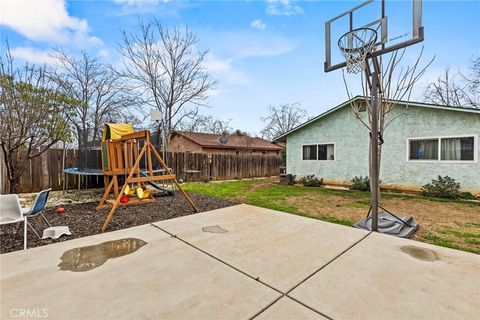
[(14, 184), (15, 168)]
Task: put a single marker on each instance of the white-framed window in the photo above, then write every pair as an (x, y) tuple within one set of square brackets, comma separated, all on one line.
[(461, 148), (309, 152), (319, 151)]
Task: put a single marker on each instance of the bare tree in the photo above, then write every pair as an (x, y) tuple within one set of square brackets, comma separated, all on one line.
[(104, 95), (474, 77), (455, 89), (32, 115), (206, 124), (473, 84), (166, 69), (281, 119), (396, 84)]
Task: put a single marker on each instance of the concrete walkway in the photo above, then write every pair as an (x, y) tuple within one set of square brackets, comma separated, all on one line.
[(241, 262)]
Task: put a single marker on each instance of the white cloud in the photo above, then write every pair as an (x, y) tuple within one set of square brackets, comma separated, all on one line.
[(224, 70), (264, 47), (32, 55), (258, 24), (104, 53), (139, 2), (46, 20), (283, 8), (241, 45)]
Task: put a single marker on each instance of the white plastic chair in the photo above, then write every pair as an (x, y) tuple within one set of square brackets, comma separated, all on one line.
[(11, 212), (36, 209)]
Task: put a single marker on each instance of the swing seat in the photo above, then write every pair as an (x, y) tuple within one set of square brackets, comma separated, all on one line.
[(129, 191), (142, 194)]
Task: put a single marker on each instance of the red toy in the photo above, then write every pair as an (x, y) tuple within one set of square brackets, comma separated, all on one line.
[(124, 199), (60, 210)]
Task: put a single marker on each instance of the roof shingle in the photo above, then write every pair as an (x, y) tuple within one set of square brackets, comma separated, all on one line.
[(233, 141)]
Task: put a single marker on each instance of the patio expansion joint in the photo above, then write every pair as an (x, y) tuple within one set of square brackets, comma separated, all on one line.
[(286, 294), (218, 259), (282, 294)]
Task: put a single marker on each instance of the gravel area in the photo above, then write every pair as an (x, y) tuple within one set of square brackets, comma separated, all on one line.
[(84, 220)]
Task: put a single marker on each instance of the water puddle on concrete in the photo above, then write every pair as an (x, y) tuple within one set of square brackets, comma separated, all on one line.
[(214, 229), (91, 257), (420, 253)]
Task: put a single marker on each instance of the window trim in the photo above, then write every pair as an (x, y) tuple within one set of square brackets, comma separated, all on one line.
[(317, 144), (439, 156), (308, 144)]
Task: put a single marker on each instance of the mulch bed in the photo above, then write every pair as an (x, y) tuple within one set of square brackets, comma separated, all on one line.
[(84, 220)]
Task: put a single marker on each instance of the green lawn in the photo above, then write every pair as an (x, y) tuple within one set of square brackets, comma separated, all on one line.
[(460, 230)]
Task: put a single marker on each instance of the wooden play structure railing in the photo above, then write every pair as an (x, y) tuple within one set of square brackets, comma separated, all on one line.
[(121, 157)]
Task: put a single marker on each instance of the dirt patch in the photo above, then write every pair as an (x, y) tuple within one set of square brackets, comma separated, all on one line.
[(320, 205), (458, 223), (60, 198), (84, 220), (263, 184)]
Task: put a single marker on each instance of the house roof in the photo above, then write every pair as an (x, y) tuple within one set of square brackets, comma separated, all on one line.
[(211, 140), (282, 137)]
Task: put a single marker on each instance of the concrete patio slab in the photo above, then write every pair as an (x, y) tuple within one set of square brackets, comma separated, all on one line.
[(163, 279), (288, 309), (384, 277), (280, 249), (208, 271)]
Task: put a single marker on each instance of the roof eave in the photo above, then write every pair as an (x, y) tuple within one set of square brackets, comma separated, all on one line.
[(283, 137)]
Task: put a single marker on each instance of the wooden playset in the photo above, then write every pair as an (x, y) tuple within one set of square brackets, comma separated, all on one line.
[(122, 152)]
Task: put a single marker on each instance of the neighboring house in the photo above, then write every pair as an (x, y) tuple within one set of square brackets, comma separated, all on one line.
[(425, 141), (220, 144)]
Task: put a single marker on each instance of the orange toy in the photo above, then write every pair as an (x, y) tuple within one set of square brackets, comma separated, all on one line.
[(60, 210)]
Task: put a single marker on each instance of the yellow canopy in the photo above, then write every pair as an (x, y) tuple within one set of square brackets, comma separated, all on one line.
[(115, 131)]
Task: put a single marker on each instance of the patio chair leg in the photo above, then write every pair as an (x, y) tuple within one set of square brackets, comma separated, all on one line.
[(36, 233), (45, 219), (25, 233)]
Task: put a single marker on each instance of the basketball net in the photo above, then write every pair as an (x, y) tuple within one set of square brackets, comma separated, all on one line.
[(355, 46)]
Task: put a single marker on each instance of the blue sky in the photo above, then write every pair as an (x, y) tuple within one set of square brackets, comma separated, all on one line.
[(261, 52)]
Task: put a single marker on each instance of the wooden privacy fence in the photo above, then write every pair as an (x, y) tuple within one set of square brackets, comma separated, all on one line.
[(46, 171)]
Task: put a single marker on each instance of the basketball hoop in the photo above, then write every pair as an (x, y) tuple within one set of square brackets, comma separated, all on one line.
[(355, 45)]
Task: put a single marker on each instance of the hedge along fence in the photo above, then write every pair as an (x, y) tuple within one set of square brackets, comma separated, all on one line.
[(45, 171)]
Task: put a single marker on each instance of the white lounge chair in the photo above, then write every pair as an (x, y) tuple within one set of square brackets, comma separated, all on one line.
[(11, 212)]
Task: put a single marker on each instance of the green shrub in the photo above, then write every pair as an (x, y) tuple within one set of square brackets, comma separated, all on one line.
[(443, 187), (312, 181), (467, 196), (360, 183)]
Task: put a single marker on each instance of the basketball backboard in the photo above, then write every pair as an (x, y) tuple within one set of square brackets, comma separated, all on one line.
[(155, 115), (398, 24)]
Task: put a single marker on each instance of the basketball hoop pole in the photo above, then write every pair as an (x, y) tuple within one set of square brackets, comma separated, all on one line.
[(374, 153), (375, 90)]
